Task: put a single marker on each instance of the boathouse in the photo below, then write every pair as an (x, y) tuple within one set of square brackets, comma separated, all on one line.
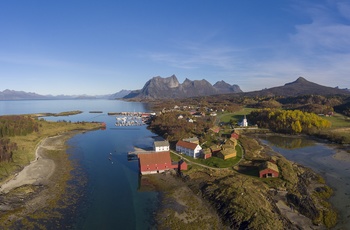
[(155, 162), (268, 169), (190, 149)]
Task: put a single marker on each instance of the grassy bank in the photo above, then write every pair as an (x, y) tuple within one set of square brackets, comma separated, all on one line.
[(27, 144), (43, 205)]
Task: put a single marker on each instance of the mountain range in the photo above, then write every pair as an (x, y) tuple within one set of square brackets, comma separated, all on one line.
[(8, 94), (165, 88)]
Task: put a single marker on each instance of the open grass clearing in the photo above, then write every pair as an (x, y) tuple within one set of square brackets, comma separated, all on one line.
[(338, 120), (216, 162), (236, 116)]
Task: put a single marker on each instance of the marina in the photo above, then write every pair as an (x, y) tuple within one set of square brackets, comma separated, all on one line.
[(132, 118)]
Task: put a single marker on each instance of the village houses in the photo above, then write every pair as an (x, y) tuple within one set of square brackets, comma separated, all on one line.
[(190, 149)]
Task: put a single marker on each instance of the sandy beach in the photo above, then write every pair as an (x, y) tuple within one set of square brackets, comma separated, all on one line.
[(38, 171), (38, 188)]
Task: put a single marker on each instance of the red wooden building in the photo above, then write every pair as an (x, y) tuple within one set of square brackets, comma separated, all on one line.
[(155, 162), (268, 169), (182, 165), (235, 136)]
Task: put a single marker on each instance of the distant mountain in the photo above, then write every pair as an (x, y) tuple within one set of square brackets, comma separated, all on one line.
[(120, 94), (297, 88), (224, 87), (21, 95), (166, 88)]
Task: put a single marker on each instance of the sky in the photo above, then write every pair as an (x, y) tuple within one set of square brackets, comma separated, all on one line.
[(101, 47)]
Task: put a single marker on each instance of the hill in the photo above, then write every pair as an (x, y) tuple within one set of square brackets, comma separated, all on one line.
[(297, 88), (166, 88), (120, 94)]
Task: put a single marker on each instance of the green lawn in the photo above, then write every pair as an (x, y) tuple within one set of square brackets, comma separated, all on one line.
[(338, 120), (218, 162), (236, 116)]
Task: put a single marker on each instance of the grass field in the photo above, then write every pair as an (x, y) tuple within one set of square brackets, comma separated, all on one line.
[(340, 130), (218, 162), (236, 116), (338, 120)]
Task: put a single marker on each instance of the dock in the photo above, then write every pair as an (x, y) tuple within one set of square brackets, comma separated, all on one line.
[(133, 155)]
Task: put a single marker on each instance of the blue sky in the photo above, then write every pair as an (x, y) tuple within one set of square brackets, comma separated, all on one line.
[(102, 47)]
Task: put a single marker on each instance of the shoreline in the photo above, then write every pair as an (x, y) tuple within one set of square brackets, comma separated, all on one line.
[(38, 171), (38, 191)]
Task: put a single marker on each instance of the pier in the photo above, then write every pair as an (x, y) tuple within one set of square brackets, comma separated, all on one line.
[(133, 155)]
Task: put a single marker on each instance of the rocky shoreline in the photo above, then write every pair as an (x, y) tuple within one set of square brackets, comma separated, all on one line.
[(299, 199), (219, 199)]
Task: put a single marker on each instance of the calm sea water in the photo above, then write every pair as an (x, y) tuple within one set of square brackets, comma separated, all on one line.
[(113, 199)]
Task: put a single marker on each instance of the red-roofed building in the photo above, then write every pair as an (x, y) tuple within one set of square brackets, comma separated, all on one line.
[(235, 136), (182, 165), (155, 162), (190, 149)]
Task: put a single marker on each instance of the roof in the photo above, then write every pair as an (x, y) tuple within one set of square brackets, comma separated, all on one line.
[(192, 139), (235, 135), (269, 165), (215, 148), (207, 151), (215, 129), (161, 143), (187, 145), (155, 158), (228, 151)]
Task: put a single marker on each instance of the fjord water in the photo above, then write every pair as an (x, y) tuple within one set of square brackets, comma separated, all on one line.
[(320, 158), (112, 199)]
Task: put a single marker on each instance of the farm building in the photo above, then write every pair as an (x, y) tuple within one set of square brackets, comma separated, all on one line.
[(235, 136), (190, 149), (206, 153), (268, 169), (155, 162), (227, 153), (215, 149), (182, 165)]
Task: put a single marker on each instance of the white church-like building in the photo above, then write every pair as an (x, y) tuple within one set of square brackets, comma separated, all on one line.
[(244, 122)]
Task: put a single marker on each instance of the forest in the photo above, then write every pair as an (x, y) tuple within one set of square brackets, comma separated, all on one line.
[(288, 121), (14, 126), (169, 126)]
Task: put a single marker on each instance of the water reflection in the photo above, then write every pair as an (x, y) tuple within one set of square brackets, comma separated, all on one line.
[(289, 142)]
